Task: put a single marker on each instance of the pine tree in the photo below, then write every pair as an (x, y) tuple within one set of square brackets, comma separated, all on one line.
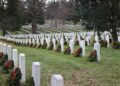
[(11, 19), (101, 14)]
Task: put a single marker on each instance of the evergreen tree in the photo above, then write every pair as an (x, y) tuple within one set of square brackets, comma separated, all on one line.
[(101, 15), (11, 19), (76, 12)]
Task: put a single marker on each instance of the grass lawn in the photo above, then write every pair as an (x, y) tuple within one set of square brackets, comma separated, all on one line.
[(76, 71)]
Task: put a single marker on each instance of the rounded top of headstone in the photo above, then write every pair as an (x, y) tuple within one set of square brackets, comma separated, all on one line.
[(5, 44), (14, 49), (22, 54), (36, 63), (9, 46), (57, 76)]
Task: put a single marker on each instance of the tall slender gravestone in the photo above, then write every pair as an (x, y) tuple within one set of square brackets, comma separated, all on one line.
[(108, 40), (54, 44), (22, 66), (88, 40), (82, 45), (33, 42), (71, 44), (48, 42), (1, 47), (57, 80), (9, 52), (97, 48), (4, 48), (42, 40), (119, 38), (62, 44), (96, 38), (36, 73), (15, 57), (26, 41), (38, 42)]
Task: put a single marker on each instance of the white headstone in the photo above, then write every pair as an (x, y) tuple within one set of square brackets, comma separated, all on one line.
[(15, 57), (71, 44), (62, 44), (33, 42), (38, 42), (36, 73), (88, 40), (4, 48), (82, 45), (108, 40), (30, 41), (119, 38), (9, 52), (27, 41), (1, 47), (48, 42), (57, 80), (97, 48), (42, 40), (22, 66), (54, 44), (96, 38)]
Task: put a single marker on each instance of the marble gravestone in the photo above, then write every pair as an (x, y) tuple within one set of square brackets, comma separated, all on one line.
[(9, 52), (15, 57), (62, 44), (82, 45), (71, 45), (22, 67), (1, 47), (36, 73), (97, 48), (57, 80)]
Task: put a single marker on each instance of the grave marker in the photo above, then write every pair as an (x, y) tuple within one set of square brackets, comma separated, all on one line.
[(36, 73), (9, 52), (97, 48), (4, 48), (22, 66), (82, 45), (15, 57), (57, 80)]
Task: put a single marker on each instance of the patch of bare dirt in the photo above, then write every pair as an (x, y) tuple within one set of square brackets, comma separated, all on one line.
[(81, 78)]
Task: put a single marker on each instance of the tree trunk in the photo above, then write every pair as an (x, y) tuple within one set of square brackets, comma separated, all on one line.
[(4, 32), (63, 21), (51, 23), (34, 26), (98, 33), (56, 23), (114, 35)]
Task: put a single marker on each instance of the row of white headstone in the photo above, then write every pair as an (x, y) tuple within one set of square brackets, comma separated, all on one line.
[(71, 45), (71, 42), (56, 79), (38, 39), (19, 59)]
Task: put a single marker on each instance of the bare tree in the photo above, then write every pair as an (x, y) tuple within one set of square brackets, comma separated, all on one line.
[(35, 9), (58, 10)]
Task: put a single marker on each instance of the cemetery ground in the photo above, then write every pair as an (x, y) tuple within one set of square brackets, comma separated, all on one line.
[(76, 71)]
